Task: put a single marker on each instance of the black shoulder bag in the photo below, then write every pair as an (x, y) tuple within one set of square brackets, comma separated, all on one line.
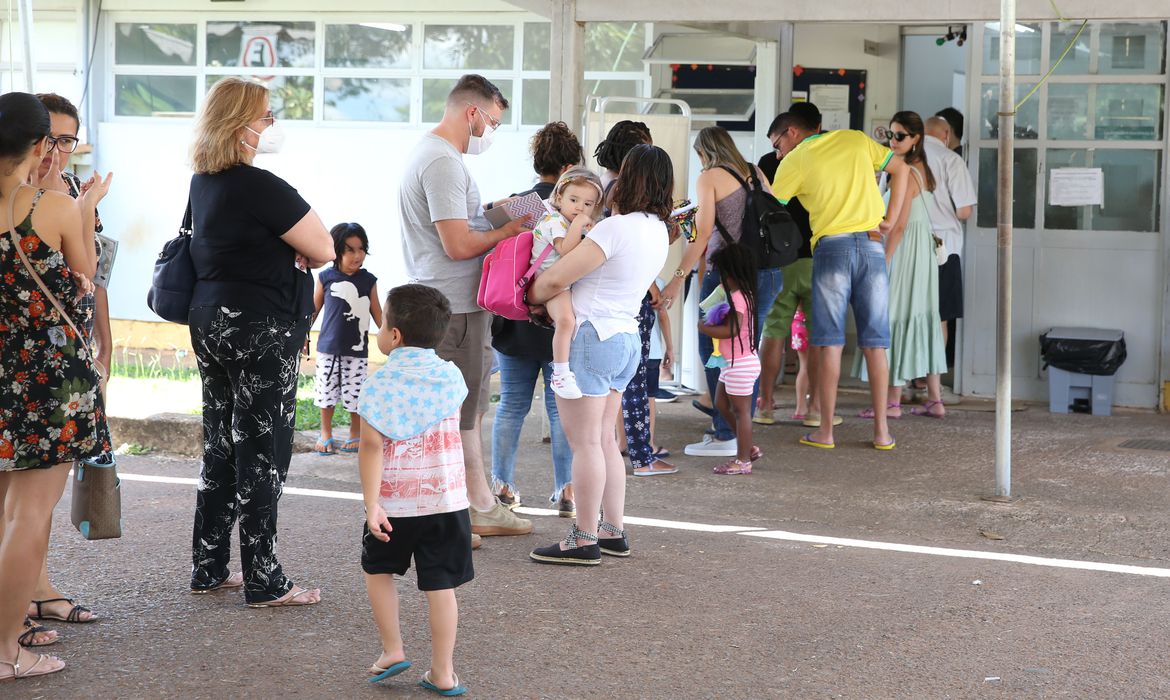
[(173, 284)]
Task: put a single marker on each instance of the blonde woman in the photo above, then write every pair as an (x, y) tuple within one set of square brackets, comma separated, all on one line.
[(722, 191), (254, 240)]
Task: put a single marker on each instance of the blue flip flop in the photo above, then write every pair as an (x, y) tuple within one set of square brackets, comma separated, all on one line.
[(394, 670), (445, 692)]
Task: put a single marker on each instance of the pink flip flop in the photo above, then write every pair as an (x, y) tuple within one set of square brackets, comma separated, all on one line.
[(924, 410), (868, 413)]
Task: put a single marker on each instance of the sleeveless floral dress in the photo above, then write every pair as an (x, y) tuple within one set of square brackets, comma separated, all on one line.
[(51, 410)]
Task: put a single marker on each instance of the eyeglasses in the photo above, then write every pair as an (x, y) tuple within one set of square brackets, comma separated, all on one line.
[(65, 144), (268, 117), (492, 121), (898, 136)]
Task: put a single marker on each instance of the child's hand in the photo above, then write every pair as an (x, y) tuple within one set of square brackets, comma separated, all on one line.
[(581, 224), (378, 523)]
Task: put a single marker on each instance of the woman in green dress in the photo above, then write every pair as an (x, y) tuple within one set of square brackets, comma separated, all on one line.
[(916, 343)]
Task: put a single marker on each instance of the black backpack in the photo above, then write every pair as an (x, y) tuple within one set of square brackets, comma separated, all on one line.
[(768, 229)]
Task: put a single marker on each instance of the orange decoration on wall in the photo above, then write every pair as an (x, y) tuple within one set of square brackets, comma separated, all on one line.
[(841, 72), (798, 70)]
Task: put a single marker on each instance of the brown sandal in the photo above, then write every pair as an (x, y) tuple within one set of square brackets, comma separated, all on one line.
[(31, 671)]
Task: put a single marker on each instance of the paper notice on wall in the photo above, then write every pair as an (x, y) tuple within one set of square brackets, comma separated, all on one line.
[(830, 98), (834, 120), (1076, 187)]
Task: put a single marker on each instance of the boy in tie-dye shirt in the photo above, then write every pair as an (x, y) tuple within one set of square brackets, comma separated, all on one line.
[(413, 483)]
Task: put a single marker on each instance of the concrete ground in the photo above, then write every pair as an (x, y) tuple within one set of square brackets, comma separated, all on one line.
[(705, 607)]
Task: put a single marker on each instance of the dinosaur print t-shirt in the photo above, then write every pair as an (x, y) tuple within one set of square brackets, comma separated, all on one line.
[(345, 315)]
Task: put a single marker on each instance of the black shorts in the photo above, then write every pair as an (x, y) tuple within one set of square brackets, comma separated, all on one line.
[(440, 545), (950, 289)]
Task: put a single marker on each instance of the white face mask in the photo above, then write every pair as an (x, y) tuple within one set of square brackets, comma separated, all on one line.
[(271, 140), (478, 144)]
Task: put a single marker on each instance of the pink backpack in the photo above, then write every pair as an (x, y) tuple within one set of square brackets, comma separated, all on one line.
[(506, 274)]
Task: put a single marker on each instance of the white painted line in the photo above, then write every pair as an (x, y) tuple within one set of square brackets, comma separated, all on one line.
[(292, 490), (964, 553), (654, 522), (761, 532)]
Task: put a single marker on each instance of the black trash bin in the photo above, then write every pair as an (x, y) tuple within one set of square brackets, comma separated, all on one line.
[(1081, 363)]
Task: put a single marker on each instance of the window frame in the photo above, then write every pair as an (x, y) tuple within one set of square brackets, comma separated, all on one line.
[(417, 73)]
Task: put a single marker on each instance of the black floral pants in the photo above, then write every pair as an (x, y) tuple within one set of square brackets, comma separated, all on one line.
[(636, 400), (249, 364)]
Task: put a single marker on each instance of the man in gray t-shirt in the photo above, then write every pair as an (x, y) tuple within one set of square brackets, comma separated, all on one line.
[(444, 238)]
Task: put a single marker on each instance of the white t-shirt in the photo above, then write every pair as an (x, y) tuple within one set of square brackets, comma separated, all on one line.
[(635, 247), (953, 190)]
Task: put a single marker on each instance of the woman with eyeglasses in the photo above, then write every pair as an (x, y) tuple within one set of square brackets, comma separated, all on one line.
[(51, 410), (916, 343), (49, 603), (254, 240)]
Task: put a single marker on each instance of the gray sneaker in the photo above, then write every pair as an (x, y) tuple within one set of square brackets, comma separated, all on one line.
[(710, 447), (498, 521)]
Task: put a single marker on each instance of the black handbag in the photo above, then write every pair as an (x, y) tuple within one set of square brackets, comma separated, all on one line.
[(174, 276)]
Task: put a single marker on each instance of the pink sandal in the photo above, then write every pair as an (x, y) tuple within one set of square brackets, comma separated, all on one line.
[(868, 413), (925, 411), (734, 467)]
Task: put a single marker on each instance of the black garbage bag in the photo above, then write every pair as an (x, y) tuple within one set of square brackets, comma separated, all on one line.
[(1101, 355)]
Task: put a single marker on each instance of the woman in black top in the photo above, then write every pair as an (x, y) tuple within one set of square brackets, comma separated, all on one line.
[(525, 350), (254, 240)]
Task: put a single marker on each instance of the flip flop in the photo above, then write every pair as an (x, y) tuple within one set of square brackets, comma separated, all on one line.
[(381, 674), (325, 447), (924, 410), (807, 440), (232, 581), (285, 602), (451, 692), (74, 615), (886, 447), (661, 453), (868, 412), (815, 422), (653, 470), (345, 447)]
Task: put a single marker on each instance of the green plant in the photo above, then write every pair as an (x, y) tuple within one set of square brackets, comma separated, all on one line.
[(309, 416)]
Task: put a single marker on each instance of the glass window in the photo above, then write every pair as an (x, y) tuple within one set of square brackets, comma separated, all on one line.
[(261, 44), (289, 96), (1027, 49), (154, 44), (1027, 118), (1133, 49), (1129, 112), (614, 88), (1131, 186), (368, 45), (537, 45), (1077, 60), (1068, 111), (1023, 186), (614, 47), (435, 93), (367, 99), (534, 111), (154, 95), (463, 47)]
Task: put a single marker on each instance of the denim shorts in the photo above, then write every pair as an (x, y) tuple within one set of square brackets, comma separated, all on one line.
[(849, 269), (601, 366)]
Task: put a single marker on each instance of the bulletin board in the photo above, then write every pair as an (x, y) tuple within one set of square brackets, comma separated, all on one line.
[(838, 92)]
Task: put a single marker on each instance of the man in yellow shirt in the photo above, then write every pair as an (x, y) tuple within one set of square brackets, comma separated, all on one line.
[(833, 174)]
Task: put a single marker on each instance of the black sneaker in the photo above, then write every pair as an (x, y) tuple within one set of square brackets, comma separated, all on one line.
[(585, 555), (614, 546), (664, 396)]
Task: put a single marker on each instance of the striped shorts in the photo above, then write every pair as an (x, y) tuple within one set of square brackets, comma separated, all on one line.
[(739, 378)]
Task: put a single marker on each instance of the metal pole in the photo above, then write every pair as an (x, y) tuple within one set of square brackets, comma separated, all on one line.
[(1003, 326), (26, 32)]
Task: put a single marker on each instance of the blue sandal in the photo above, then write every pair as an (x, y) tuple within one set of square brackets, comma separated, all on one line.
[(381, 674), (457, 689), (325, 447), (350, 446)]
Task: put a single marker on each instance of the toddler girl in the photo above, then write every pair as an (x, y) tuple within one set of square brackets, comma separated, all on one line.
[(347, 298), (575, 199), (740, 367)]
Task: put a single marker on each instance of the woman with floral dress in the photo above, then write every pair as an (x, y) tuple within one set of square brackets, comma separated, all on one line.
[(51, 411)]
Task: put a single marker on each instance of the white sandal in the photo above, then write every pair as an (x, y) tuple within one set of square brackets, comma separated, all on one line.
[(32, 670)]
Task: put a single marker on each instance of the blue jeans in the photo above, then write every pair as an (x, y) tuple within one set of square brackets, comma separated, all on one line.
[(517, 382), (769, 283), (849, 269)]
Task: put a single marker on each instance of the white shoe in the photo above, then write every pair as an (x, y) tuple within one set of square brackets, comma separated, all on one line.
[(950, 398), (565, 386), (710, 447)]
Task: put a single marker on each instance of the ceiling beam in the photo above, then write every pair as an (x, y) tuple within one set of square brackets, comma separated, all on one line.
[(906, 11)]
